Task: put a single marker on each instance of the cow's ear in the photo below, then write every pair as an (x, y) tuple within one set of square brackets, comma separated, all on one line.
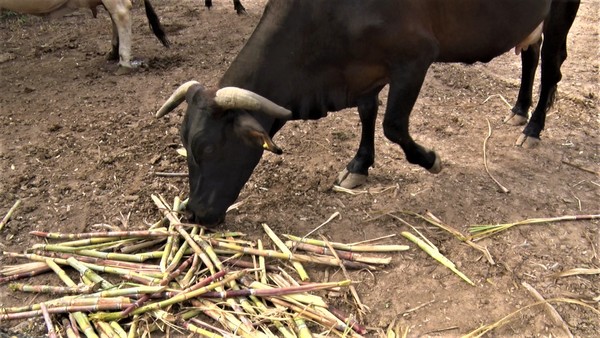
[(248, 128)]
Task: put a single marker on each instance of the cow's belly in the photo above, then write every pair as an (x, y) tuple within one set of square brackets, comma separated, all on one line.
[(34, 7), (364, 78)]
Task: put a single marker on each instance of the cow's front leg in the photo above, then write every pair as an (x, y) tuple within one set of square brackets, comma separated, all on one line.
[(120, 13), (357, 170), (404, 89)]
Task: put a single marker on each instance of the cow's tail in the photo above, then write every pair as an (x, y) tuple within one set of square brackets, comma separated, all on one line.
[(154, 21)]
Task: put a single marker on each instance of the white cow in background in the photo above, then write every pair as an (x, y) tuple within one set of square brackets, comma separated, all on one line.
[(119, 11)]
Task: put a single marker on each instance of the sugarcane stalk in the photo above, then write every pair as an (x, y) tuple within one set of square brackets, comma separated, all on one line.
[(306, 312), (352, 248), (118, 329), (291, 257), (69, 301), (261, 263), (148, 268), (128, 292), (138, 258), (65, 309), (434, 253), (279, 243), (191, 273), (226, 319), (163, 283), (120, 234), (85, 271), (301, 328), (140, 246), (195, 329), (8, 215), (264, 310), (83, 323), (356, 326), (79, 289), (132, 333), (206, 248), (113, 270), (181, 297), (70, 331), (106, 329), (88, 241), (240, 263), (346, 255), (33, 272), (262, 290), (200, 284), (48, 321), (353, 291), (180, 252), (197, 250), (431, 219), (483, 231), (79, 317), (200, 323)]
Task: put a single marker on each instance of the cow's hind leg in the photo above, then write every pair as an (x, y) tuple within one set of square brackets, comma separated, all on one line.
[(554, 53), (529, 59), (357, 170), (404, 89), (120, 14)]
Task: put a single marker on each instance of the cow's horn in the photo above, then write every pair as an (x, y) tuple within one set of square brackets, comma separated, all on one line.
[(176, 98), (238, 98)]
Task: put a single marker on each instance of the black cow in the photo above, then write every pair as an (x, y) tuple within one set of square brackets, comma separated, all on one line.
[(237, 5), (554, 53), (310, 57)]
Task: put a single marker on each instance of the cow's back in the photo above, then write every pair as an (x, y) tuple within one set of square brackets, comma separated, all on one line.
[(314, 56)]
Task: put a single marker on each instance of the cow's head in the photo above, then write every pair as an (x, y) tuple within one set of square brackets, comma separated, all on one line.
[(223, 142)]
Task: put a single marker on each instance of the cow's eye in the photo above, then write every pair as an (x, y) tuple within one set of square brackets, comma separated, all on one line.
[(208, 150)]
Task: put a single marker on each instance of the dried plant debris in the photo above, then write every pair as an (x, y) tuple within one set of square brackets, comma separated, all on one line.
[(180, 277)]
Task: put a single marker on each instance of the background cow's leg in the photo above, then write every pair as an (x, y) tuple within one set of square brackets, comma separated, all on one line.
[(529, 60), (120, 13), (404, 89), (239, 8), (113, 55), (357, 170), (554, 53)]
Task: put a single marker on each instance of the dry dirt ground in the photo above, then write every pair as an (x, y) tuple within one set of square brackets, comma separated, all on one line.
[(80, 146)]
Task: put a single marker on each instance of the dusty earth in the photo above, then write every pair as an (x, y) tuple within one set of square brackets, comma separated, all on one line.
[(80, 146)]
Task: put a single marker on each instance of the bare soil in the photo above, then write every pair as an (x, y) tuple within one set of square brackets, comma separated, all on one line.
[(80, 146)]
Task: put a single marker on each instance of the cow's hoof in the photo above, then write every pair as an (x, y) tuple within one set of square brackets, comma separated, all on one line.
[(350, 180), (515, 120), (527, 142), (124, 70), (437, 165)]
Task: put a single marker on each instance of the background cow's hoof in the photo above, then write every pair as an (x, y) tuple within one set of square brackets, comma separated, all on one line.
[(437, 165), (112, 56), (350, 180), (124, 70), (515, 120), (527, 141)]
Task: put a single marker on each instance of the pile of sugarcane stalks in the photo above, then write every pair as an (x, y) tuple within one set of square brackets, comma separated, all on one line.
[(178, 277)]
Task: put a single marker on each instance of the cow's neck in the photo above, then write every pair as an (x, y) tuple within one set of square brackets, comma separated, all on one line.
[(275, 63)]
